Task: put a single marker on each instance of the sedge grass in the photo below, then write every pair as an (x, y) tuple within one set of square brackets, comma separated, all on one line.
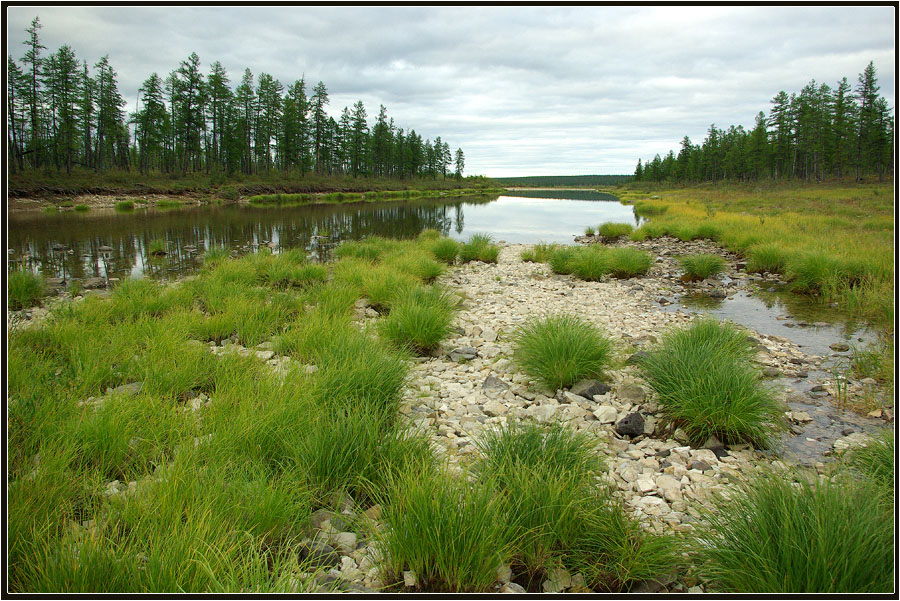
[(706, 385), (539, 253), (702, 266), (778, 537), (445, 250), (876, 461), (419, 319), (24, 289), (613, 231), (479, 247), (561, 349)]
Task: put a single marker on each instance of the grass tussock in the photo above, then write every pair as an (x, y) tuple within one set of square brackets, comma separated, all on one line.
[(539, 253), (775, 536), (24, 289), (479, 247), (876, 462), (559, 350), (595, 262), (706, 385), (614, 231), (700, 267)]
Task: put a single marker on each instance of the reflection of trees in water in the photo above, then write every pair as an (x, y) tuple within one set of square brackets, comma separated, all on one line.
[(562, 194), (69, 245)]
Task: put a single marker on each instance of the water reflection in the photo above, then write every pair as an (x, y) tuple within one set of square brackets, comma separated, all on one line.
[(104, 243)]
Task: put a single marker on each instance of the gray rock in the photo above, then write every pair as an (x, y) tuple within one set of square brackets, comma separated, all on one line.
[(606, 414), (494, 384), (93, 283), (632, 393), (512, 587), (699, 465), (771, 372), (631, 425), (636, 358), (588, 388), (715, 445), (318, 554), (130, 389), (463, 352), (839, 347)]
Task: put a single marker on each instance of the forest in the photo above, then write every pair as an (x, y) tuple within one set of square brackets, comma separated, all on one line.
[(62, 116), (820, 134), (553, 181)]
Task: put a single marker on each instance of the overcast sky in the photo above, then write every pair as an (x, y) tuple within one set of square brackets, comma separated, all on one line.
[(523, 90)]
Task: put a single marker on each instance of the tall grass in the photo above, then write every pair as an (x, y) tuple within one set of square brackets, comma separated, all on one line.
[(700, 267), (445, 250), (479, 247), (777, 537), (451, 534), (24, 289), (419, 319), (559, 350), (539, 253), (612, 231), (876, 461), (706, 385)]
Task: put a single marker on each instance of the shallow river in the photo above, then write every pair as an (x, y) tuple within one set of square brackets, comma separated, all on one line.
[(106, 243)]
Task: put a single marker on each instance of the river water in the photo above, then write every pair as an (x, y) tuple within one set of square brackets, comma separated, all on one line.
[(107, 243)]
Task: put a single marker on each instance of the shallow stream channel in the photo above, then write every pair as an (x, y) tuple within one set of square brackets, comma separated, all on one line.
[(101, 246)]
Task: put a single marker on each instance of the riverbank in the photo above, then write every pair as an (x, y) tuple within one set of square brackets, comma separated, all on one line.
[(228, 367), (86, 187)]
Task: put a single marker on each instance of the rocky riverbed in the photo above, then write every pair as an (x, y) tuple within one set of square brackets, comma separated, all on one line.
[(472, 384)]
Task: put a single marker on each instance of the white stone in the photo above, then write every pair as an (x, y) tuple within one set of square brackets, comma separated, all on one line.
[(495, 408), (606, 414)]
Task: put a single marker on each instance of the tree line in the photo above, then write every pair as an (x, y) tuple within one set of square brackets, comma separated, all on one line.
[(563, 180), (819, 134), (60, 115)]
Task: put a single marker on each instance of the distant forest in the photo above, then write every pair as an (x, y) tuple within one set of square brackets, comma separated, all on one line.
[(823, 133), (552, 181), (60, 117)]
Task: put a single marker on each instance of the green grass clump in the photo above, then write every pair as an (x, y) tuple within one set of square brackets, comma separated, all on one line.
[(430, 234), (612, 231), (539, 253), (589, 230), (168, 203), (453, 535), (545, 475), (769, 257), (876, 461), (627, 262), (24, 289), (700, 267), (560, 259), (646, 208), (779, 537), (706, 385), (124, 205), (445, 250), (82, 207), (419, 319), (416, 262), (480, 247), (559, 350), (813, 272), (590, 263), (157, 247)]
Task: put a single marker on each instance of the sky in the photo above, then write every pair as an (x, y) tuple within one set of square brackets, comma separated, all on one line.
[(522, 90)]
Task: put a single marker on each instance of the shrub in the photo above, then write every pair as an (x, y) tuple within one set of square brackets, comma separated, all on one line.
[(707, 386), (451, 534), (559, 350), (230, 193), (611, 231), (767, 257), (479, 248), (419, 319), (780, 537), (24, 289), (700, 267), (628, 262)]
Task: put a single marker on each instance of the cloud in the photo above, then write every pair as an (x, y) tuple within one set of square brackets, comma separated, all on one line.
[(523, 90)]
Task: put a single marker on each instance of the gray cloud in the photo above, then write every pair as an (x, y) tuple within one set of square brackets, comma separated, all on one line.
[(523, 90)]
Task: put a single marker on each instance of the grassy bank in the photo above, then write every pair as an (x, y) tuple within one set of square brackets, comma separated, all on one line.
[(217, 185), (832, 242), (369, 196)]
